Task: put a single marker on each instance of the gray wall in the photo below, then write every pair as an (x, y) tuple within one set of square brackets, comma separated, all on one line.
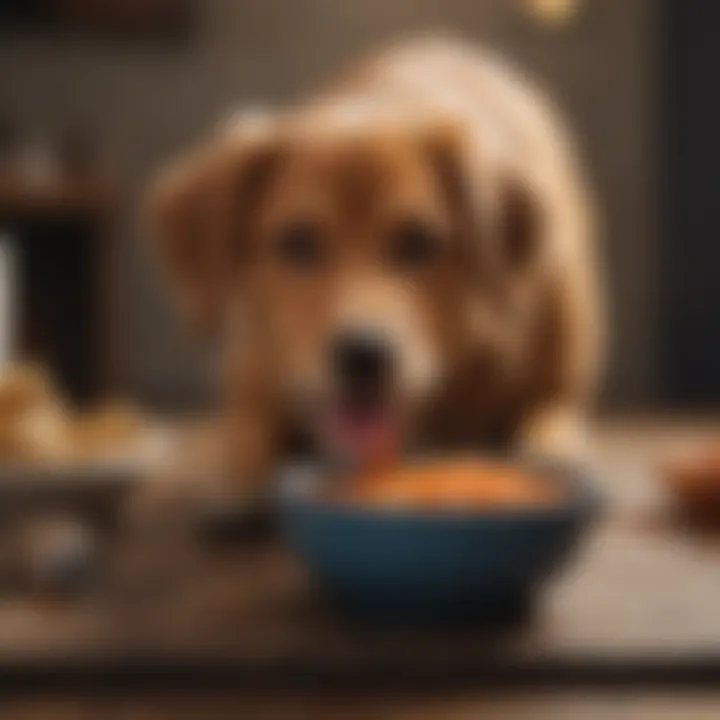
[(149, 100)]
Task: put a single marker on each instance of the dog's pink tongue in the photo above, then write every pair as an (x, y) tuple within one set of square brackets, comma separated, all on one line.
[(364, 436)]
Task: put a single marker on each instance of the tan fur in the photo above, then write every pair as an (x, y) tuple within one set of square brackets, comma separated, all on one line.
[(500, 339)]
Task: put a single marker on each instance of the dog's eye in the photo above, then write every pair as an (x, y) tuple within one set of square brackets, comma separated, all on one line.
[(415, 244), (300, 245)]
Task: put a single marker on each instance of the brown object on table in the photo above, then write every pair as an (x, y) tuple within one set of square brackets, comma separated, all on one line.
[(32, 416), (36, 426), (106, 430), (694, 483), (21, 387)]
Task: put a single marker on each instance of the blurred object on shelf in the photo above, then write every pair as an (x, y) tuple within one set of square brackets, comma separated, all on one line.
[(22, 388), (49, 169), (32, 424), (42, 435), (36, 425), (112, 425), (34, 184)]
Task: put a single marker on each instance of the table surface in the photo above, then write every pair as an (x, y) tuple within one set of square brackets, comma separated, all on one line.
[(644, 592), (349, 706), (641, 588)]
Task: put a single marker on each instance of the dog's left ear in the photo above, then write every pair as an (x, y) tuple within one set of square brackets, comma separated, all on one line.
[(199, 213), (497, 209)]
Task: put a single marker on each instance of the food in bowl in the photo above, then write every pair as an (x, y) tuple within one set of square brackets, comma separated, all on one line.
[(472, 483)]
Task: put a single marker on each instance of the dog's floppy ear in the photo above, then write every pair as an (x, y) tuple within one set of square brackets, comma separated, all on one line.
[(497, 208), (199, 212), (520, 221)]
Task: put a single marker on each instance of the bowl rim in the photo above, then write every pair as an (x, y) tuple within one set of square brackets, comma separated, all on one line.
[(581, 496)]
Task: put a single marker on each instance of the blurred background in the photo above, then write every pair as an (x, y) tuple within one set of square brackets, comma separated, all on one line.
[(107, 91), (97, 95)]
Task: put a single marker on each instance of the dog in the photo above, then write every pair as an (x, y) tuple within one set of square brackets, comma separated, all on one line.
[(406, 260)]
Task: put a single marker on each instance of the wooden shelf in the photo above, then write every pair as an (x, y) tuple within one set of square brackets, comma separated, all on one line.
[(87, 193)]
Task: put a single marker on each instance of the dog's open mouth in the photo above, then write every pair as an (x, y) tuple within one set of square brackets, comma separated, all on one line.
[(363, 431)]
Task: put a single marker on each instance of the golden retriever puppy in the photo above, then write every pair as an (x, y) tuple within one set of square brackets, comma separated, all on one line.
[(405, 260)]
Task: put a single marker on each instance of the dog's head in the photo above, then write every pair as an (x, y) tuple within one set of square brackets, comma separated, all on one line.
[(370, 261)]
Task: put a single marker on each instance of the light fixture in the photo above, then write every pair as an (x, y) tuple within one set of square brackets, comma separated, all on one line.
[(554, 13)]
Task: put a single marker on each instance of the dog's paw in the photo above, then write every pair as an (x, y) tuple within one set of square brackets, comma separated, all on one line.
[(555, 435)]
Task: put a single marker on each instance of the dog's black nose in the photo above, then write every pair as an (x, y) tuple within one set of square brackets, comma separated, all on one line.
[(361, 360)]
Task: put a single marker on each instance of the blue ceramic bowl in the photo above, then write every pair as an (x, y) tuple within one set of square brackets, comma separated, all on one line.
[(440, 566)]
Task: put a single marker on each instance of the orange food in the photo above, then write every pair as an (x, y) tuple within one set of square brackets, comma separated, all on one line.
[(456, 484)]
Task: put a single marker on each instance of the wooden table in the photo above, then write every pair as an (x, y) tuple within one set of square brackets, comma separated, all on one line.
[(638, 613)]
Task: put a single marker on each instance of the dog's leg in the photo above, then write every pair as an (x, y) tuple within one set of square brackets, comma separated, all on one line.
[(250, 425), (249, 450), (233, 491), (555, 431), (566, 369)]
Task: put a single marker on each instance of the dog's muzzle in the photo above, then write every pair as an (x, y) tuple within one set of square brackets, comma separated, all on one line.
[(362, 365), (361, 420)]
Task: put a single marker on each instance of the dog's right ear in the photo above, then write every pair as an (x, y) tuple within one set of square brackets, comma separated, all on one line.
[(199, 212), (496, 206)]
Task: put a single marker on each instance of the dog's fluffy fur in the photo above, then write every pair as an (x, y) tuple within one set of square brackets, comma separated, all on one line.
[(497, 337)]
